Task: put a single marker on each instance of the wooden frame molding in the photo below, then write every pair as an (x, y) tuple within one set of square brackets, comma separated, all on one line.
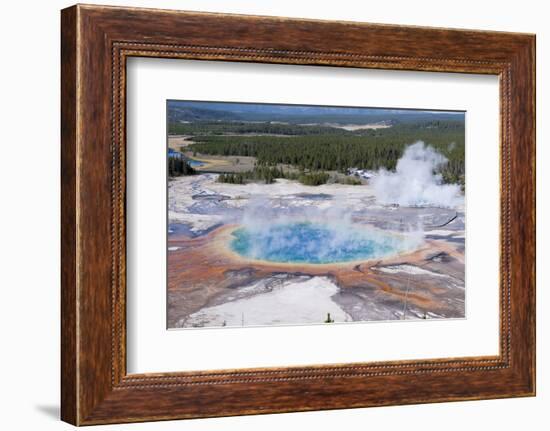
[(95, 43)]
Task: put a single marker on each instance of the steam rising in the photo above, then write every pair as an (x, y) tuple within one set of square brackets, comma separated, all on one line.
[(273, 231), (414, 182), (324, 228), (318, 243)]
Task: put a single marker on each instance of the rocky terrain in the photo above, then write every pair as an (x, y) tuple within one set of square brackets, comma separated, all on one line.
[(211, 285)]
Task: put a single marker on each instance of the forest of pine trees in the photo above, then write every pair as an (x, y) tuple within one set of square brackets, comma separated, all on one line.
[(265, 174), (239, 127), (178, 166), (371, 149), (268, 174)]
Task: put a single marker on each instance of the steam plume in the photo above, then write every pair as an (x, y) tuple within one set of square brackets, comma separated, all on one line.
[(414, 182)]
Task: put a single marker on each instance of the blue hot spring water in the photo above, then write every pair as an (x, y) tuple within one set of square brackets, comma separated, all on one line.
[(315, 243)]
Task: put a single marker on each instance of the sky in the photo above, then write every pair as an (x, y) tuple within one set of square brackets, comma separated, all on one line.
[(290, 110)]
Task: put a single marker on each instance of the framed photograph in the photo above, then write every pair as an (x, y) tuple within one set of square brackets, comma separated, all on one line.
[(265, 215)]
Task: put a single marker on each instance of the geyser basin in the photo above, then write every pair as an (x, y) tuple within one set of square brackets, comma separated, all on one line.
[(318, 243)]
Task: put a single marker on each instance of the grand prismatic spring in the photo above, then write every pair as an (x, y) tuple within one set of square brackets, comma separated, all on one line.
[(286, 216)]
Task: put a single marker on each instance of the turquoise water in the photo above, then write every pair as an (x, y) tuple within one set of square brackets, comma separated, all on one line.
[(315, 243)]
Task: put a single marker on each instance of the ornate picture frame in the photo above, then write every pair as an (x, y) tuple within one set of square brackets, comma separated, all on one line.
[(96, 41)]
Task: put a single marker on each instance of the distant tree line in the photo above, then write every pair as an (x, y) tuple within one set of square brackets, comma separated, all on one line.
[(268, 175), (265, 174), (243, 128), (377, 149)]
